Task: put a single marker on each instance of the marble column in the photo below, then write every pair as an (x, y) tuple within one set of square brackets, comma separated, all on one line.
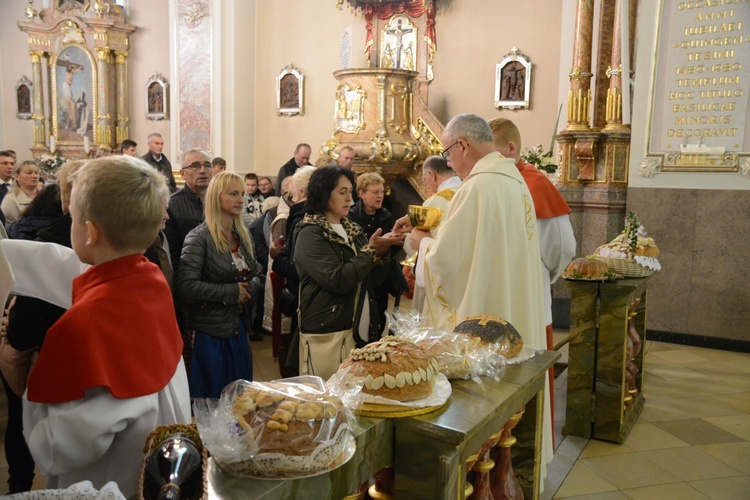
[(580, 75), (614, 73), (40, 138), (103, 137), (121, 77)]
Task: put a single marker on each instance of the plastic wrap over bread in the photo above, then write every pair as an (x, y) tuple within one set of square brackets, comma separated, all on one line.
[(458, 356), (290, 428)]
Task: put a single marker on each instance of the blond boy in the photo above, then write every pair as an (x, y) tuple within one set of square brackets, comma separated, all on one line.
[(110, 369)]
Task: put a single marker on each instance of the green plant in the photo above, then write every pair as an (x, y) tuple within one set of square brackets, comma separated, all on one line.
[(540, 159)]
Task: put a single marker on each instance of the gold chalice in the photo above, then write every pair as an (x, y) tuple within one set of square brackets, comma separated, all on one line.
[(424, 219)]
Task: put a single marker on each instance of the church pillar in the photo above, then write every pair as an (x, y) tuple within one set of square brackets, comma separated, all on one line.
[(103, 113), (38, 99), (121, 77), (580, 75)]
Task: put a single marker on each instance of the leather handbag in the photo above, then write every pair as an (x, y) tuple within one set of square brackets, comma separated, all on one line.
[(321, 354)]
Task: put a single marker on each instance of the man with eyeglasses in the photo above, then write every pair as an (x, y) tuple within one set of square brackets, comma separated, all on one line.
[(485, 258), (185, 207), (158, 160)]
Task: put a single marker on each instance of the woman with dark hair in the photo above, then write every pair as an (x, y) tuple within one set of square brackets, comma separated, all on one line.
[(336, 262), (44, 210)]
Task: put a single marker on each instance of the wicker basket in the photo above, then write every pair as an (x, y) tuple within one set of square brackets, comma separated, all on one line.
[(628, 268), (160, 434)]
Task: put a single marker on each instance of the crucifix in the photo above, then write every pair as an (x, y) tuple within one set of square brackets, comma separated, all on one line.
[(399, 33)]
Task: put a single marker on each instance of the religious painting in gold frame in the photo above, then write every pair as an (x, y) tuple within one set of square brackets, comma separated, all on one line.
[(23, 98), (349, 110), (513, 81), (398, 44), (74, 95), (290, 86), (157, 98)]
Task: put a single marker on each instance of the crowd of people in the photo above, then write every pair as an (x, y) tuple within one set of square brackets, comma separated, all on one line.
[(217, 242)]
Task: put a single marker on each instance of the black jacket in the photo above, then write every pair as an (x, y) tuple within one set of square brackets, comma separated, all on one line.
[(185, 210), (207, 283), (162, 166), (330, 272)]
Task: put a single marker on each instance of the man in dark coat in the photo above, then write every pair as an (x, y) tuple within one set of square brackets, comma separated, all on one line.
[(300, 159), (159, 161)]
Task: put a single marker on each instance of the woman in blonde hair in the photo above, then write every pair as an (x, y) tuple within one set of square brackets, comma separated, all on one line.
[(218, 280), (25, 188)]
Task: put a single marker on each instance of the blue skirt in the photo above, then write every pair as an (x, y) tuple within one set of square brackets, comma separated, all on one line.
[(217, 362)]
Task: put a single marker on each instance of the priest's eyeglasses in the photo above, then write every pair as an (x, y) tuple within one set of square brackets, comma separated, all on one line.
[(445, 151), (197, 165)]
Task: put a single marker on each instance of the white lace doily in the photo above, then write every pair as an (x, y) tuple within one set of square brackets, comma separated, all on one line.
[(325, 456), (79, 491), (526, 354), (648, 262), (441, 391)]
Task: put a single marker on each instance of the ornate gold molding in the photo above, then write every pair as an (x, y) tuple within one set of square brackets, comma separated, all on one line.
[(577, 74), (121, 56), (104, 54), (36, 56)]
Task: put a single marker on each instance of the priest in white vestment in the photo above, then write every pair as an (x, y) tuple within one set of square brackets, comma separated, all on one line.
[(485, 257)]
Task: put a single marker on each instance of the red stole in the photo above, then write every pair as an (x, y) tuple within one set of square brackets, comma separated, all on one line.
[(120, 333), (548, 202)]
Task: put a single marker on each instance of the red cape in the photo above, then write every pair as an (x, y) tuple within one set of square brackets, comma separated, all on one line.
[(120, 333), (548, 202)]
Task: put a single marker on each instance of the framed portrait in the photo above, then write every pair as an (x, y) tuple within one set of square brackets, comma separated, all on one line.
[(74, 95), (23, 98), (513, 81), (289, 92), (157, 98)]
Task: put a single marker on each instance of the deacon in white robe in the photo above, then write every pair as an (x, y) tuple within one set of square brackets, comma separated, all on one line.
[(485, 257)]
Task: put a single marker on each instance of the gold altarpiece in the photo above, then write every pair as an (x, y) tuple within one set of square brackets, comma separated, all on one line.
[(381, 111), (85, 47)]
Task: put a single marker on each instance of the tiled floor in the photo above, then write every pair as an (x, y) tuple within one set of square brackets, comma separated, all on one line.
[(692, 440)]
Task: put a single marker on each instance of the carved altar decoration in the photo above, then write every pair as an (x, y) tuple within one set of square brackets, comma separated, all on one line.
[(290, 85), (381, 111), (157, 97), (23, 98), (513, 81), (85, 45)]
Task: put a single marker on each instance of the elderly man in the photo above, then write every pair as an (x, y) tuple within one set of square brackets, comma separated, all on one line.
[(185, 207), (346, 157), (485, 257), (441, 182), (300, 159), (159, 161)]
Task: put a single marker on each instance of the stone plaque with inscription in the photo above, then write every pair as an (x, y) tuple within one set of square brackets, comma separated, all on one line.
[(699, 108)]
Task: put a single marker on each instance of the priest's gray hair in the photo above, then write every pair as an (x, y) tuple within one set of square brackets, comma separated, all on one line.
[(437, 164), (472, 127)]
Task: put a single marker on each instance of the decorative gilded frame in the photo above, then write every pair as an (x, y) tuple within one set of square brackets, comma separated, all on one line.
[(157, 97), (65, 5), (290, 86), (92, 86), (349, 110), (24, 112), (513, 81)]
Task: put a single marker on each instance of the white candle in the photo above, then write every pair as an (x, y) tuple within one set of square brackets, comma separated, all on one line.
[(52, 144), (86, 145), (625, 56)]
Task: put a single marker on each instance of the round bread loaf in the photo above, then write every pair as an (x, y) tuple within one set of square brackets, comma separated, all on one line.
[(392, 368), (646, 247), (289, 424), (491, 329), (586, 267)]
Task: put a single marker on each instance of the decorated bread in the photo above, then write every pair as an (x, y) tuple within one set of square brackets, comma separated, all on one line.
[(392, 368), (492, 330), (630, 243), (281, 419), (586, 268)]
